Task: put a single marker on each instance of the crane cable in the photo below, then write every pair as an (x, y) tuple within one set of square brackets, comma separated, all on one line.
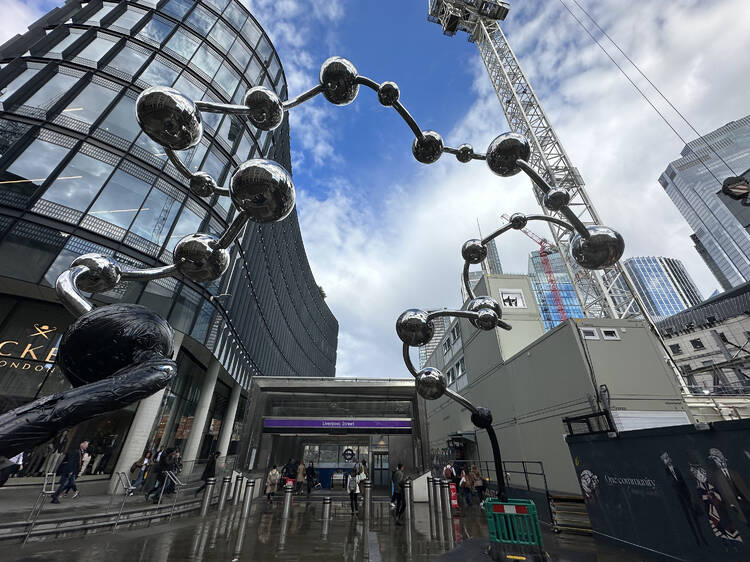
[(640, 91)]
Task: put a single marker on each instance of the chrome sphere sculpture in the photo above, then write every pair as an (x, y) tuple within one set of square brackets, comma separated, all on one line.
[(118, 354)]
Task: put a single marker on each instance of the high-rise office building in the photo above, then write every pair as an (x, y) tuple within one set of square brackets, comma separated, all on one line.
[(693, 183), (426, 350), (663, 284), (77, 175), (544, 293), (494, 267)]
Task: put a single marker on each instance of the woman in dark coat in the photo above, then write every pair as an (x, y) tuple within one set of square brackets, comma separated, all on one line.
[(209, 471)]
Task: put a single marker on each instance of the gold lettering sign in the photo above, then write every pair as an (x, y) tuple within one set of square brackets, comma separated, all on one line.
[(32, 355)]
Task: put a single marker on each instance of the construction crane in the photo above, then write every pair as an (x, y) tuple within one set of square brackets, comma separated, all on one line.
[(545, 249), (603, 293)]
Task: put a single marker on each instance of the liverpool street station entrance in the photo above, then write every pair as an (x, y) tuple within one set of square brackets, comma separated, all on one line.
[(335, 423)]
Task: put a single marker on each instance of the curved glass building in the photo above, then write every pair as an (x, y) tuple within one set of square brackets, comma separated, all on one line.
[(77, 175)]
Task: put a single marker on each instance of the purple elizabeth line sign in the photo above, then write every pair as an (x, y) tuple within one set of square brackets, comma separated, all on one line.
[(336, 423)]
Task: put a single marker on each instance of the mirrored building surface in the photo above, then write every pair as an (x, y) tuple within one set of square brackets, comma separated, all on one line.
[(77, 175)]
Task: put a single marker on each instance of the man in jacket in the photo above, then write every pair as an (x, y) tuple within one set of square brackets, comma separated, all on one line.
[(68, 471), (398, 492)]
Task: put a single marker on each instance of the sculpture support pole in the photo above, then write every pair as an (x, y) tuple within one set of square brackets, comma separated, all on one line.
[(499, 472)]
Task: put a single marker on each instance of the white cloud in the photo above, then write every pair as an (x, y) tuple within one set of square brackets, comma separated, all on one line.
[(376, 262), (18, 14)]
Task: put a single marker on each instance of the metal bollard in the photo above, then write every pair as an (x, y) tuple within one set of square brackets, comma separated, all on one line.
[(430, 506), (238, 482), (407, 501), (225, 483), (249, 485), (326, 517), (445, 496), (208, 493), (288, 491), (368, 498), (436, 498)]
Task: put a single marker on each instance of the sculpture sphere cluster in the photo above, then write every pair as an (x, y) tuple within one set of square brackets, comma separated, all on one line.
[(117, 354)]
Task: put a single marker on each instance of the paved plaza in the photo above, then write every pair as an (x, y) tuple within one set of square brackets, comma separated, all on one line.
[(305, 535)]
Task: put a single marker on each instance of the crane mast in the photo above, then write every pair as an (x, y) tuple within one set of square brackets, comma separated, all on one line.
[(603, 293)]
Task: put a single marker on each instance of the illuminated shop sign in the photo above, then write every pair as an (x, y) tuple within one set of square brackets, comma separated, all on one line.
[(343, 423)]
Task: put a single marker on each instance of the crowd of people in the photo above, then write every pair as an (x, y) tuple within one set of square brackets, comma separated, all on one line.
[(295, 473), (468, 480)]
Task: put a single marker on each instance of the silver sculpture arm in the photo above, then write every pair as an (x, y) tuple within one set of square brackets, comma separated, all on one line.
[(150, 273), (302, 98), (68, 293), (224, 108), (231, 233)]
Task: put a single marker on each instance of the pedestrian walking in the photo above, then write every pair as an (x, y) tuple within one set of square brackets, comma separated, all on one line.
[(476, 476), (300, 479), (352, 486), (272, 481), (310, 476), (165, 464), (364, 468), (467, 485), (68, 471), (139, 471), (209, 471), (398, 486)]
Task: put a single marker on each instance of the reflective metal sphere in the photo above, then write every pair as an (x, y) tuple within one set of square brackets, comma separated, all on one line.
[(263, 189), (518, 221), (103, 274), (504, 151), (431, 383), (464, 153), (427, 148), (168, 117), (481, 305), (473, 251), (413, 328), (388, 93), (109, 338), (338, 77), (556, 199), (601, 249), (266, 111), (197, 259), (202, 184), (482, 418)]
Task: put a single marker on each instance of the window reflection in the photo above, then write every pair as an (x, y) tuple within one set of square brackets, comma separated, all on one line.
[(65, 42), (264, 49), (79, 182), (251, 31), (227, 79), (129, 18), (156, 29), (151, 147), (128, 60), (156, 217), (55, 88), (253, 72), (120, 120), (183, 43), (223, 35), (158, 74), (120, 200), (214, 165), (16, 83), (189, 87), (95, 50), (235, 15), (90, 103), (206, 60), (27, 172), (188, 223), (240, 53), (177, 8), (218, 4), (201, 20), (26, 239)]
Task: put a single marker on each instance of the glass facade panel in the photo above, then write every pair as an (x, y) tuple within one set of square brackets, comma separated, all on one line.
[(240, 53), (52, 90), (264, 50), (177, 8), (189, 88), (95, 50), (10, 89), (120, 200), (158, 74), (106, 8), (223, 35), (79, 182), (201, 20), (227, 79), (27, 172), (121, 121), (188, 223), (252, 74), (65, 42), (90, 103), (235, 15), (157, 30), (183, 43), (26, 239), (251, 32), (151, 147), (128, 19), (206, 60), (218, 5), (128, 60), (155, 218)]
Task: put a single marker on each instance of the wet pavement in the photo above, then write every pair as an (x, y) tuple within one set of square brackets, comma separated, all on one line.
[(305, 535)]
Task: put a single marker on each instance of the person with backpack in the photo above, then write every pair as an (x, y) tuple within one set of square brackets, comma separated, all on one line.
[(352, 486), (448, 472)]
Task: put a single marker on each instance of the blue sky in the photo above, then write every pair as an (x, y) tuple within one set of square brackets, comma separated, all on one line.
[(383, 232)]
